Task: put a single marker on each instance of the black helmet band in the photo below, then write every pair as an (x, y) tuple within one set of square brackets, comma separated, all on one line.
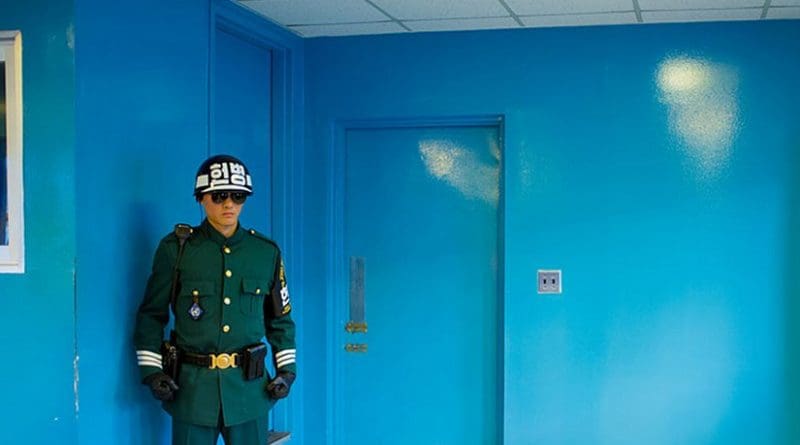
[(222, 173)]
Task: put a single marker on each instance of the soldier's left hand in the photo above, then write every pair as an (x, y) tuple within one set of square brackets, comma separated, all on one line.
[(279, 387)]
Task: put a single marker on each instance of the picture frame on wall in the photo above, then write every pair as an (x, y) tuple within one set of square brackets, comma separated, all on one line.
[(12, 238)]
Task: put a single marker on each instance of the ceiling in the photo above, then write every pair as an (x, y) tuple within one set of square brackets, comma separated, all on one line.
[(316, 18)]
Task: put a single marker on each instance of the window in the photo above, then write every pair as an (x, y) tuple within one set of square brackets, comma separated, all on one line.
[(12, 249)]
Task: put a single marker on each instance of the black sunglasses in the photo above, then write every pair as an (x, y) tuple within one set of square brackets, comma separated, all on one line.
[(236, 197)]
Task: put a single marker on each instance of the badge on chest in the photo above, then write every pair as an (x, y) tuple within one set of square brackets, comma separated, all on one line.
[(195, 310)]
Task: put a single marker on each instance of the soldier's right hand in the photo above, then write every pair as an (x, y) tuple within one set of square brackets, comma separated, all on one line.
[(161, 385)]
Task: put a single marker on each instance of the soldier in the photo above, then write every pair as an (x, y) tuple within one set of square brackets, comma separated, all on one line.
[(227, 289)]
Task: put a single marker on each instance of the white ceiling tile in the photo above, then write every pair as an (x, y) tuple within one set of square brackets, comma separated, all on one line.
[(700, 16), (313, 18), (441, 9), (349, 29), (783, 13), (536, 7), (614, 18), (650, 5), (462, 24), (299, 12)]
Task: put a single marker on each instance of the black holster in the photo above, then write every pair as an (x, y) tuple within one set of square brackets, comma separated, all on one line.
[(170, 358), (253, 361)]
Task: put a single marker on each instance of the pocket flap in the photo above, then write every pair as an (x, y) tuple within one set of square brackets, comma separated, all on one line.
[(255, 286)]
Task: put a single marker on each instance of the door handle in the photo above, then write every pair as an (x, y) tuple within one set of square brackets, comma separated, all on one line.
[(354, 327), (355, 347)]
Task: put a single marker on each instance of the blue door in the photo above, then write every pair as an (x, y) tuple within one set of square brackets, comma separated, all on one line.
[(241, 117), (420, 241)]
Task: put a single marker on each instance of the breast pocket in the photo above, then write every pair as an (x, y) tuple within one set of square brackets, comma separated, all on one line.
[(254, 291), (187, 315)]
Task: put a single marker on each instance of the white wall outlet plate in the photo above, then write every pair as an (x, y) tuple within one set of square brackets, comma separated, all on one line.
[(549, 281)]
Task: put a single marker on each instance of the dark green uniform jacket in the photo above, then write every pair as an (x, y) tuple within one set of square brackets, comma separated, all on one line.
[(240, 284)]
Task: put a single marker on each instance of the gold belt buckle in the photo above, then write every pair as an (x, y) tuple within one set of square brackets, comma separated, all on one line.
[(223, 361)]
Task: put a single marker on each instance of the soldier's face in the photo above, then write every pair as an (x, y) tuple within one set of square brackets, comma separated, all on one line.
[(224, 215)]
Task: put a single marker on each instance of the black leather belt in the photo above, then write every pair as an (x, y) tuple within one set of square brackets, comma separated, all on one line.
[(212, 361)]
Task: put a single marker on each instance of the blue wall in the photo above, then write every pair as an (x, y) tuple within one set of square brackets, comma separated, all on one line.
[(38, 307), (655, 166), (142, 125)]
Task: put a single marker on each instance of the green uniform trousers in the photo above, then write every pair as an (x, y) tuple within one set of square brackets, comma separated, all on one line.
[(253, 432)]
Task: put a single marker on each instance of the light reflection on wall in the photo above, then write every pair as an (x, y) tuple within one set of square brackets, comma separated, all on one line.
[(703, 108), (461, 168)]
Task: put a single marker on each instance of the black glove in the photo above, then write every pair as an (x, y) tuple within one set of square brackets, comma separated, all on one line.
[(279, 387), (161, 385)]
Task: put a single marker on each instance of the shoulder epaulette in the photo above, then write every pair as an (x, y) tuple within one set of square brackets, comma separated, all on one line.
[(255, 233)]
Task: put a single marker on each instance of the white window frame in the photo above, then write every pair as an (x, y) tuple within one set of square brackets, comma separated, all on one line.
[(12, 256)]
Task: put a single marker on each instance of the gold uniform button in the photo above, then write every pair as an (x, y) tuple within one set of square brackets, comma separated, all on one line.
[(252, 232), (258, 290), (228, 273), (227, 301), (226, 249), (226, 328), (195, 292)]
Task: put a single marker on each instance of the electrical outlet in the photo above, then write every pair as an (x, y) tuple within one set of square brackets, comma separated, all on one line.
[(549, 281)]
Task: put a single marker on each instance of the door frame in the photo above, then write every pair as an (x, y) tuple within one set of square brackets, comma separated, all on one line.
[(336, 298), (285, 115)]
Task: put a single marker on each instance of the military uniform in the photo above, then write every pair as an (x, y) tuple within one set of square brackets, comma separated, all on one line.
[(239, 285)]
